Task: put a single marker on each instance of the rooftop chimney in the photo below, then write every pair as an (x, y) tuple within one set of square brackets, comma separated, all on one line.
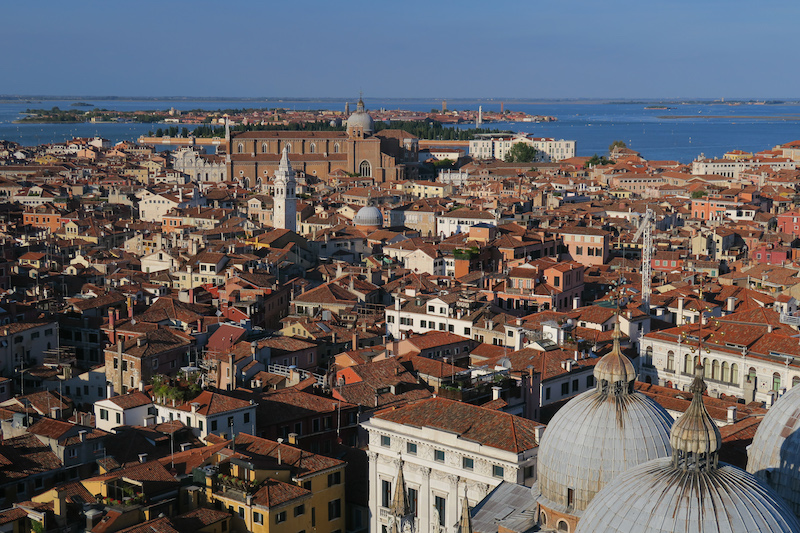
[(731, 414), (82, 435), (538, 431), (293, 439), (140, 340), (496, 393), (142, 457)]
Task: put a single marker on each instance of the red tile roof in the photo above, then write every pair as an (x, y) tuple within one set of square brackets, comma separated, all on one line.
[(471, 422)]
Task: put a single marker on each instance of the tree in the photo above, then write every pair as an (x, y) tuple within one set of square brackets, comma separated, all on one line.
[(521, 152), (595, 161), (616, 144)]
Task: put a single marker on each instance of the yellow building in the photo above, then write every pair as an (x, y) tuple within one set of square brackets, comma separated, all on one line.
[(277, 488)]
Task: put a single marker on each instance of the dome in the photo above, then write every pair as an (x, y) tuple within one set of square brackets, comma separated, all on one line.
[(656, 497), (774, 456), (598, 435), (689, 492), (361, 120), (368, 216)]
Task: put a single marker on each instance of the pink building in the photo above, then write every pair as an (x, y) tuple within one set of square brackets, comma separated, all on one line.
[(587, 246)]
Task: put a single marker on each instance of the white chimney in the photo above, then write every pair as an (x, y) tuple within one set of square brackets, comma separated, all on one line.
[(538, 431), (142, 457), (496, 393), (731, 307), (731, 414)]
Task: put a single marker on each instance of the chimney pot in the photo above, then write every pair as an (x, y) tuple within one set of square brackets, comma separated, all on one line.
[(142, 457)]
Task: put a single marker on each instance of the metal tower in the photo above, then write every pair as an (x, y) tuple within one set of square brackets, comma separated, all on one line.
[(645, 231)]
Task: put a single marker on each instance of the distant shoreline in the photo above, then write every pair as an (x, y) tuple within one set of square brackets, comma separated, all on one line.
[(532, 101)]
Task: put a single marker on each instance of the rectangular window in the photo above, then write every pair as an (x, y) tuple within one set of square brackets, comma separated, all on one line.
[(411, 448), (547, 393), (258, 518), (497, 471), (119, 418), (386, 493), (280, 517), (440, 504), (334, 478), (335, 509), (300, 510), (386, 441), (438, 455), (467, 463), (213, 425), (103, 413), (412, 501), (565, 388)]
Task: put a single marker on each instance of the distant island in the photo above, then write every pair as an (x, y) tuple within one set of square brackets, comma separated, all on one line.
[(81, 104)]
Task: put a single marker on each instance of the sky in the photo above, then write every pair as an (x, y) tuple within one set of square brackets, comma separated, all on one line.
[(532, 49)]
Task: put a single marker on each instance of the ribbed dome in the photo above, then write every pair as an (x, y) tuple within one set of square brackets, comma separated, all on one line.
[(774, 456), (695, 432), (598, 435), (657, 498), (689, 492), (615, 367), (368, 216), (361, 119)]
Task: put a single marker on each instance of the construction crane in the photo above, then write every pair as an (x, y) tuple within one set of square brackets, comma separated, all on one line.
[(645, 230)]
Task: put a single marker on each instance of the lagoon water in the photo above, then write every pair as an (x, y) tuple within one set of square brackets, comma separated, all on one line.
[(708, 128)]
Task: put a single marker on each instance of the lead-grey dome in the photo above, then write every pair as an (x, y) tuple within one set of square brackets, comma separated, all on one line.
[(774, 456), (361, 120), (368, 216), (598, 435), (655, 497), (689, 492)]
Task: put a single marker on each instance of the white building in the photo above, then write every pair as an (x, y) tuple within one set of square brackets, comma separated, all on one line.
[(211, 412), (153, 207), (198, 167), (745, 360), (495, 146), (460, 220), (446, 450), (732, 168), (132, 409)]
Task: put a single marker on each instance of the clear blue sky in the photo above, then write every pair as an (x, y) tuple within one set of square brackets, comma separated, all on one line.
[(436, 49)]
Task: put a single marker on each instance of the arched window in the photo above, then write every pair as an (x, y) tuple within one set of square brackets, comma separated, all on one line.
[(751, 375), (263, 148), (562, 526), (776, 381), (726, 372), (648, 356), (687, 364), (289, 147), (734, 373), (336, 148), (247, 183), (671, 361), (312, 148), (795, 380), (706, 370), (715, 369), (240, 148), (365, 169), (542, 518)]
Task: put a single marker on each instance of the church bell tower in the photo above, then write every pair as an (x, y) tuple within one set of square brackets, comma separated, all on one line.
[(284, 205)]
